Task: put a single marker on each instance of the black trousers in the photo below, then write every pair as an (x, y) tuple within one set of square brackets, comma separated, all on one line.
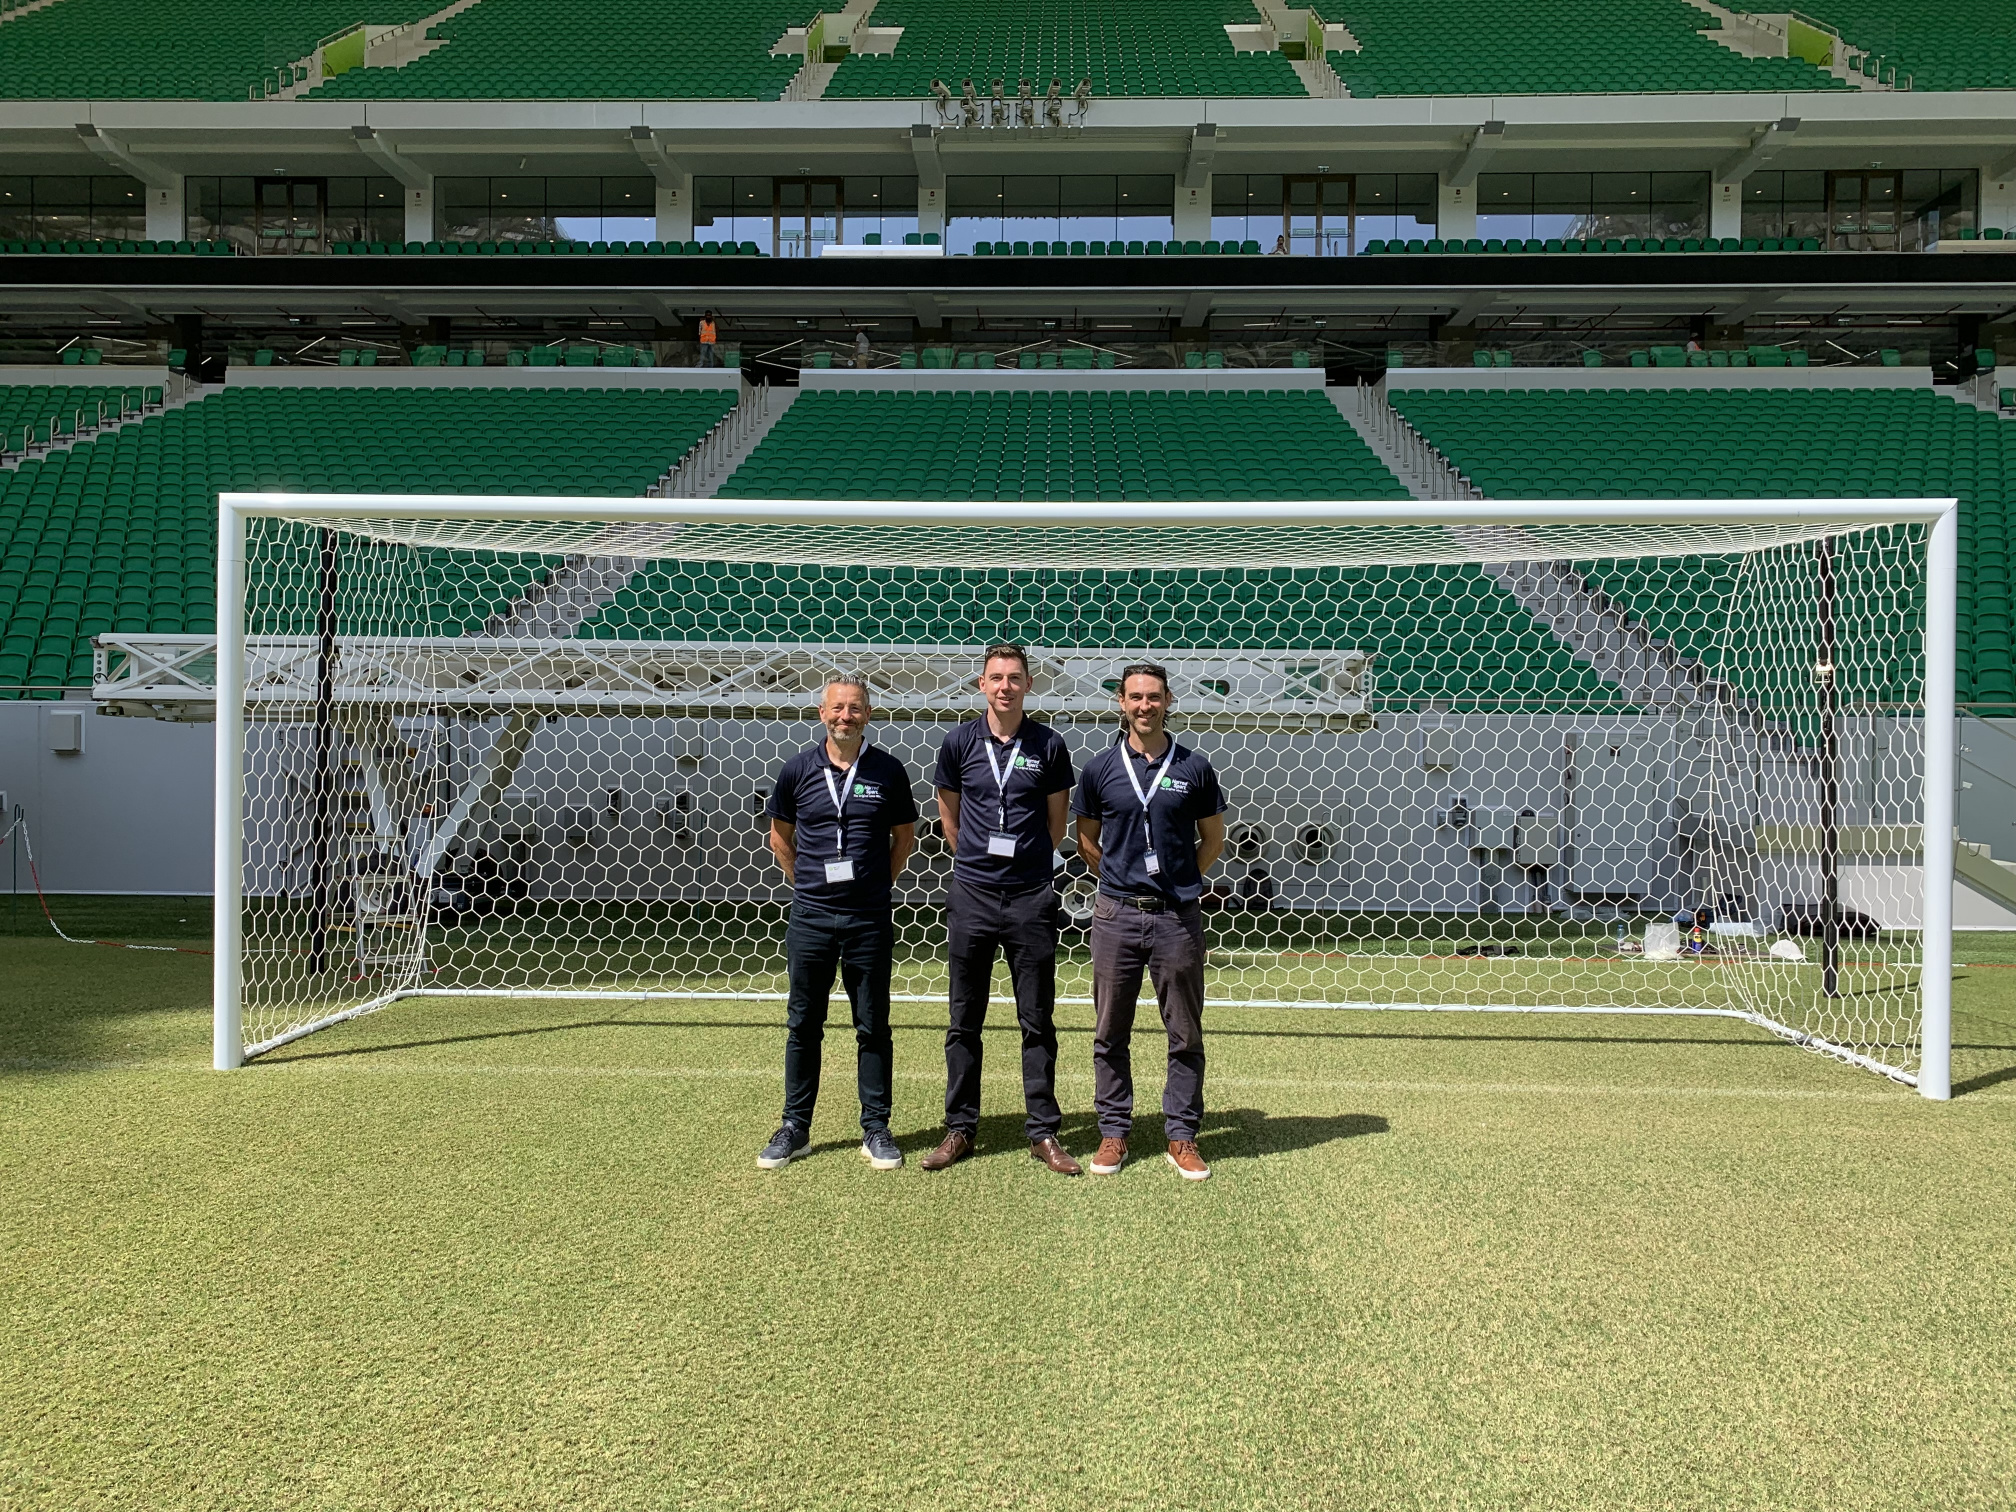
[(1169, 948), (982, 922), (860, 946)]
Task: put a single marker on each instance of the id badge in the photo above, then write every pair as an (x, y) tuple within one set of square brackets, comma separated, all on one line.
[(1154, 864), (839, 871), (1000, 845)]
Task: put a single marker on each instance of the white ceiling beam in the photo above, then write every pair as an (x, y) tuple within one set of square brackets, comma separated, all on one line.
[(1197, 162), (1766, 144), (386, 156), (1484, 141), (924, 149), (664, 167), (112, 150)]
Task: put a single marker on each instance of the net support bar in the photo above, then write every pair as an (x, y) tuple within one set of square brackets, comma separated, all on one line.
[(227, 1048), (1942, 575)]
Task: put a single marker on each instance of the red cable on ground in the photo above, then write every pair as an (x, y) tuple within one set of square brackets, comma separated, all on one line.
[(28, 848)]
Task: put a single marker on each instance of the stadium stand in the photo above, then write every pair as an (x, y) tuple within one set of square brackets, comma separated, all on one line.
[(1144, 445), (1179, 48), (1524, 47), (119, 533), (1752, 443), (1940, 44), (1576, 245), (171, 49), (36, 414), (181, 249), (610, 50)]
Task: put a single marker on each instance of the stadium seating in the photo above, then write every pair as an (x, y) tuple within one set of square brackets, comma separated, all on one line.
[(546, 249), (1574, 245), (119, 533), (1750, 443), (1141, 446), (1179, 48), (128, 248), (1940, 44), (1515, 47), (607, 50), (32, 414), (172, 49)]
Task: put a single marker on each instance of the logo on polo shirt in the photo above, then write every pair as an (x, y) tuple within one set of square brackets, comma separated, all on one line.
[(1175, 785), (868, 790), (1028, 763)]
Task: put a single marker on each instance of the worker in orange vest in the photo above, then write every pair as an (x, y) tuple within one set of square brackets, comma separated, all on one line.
[(709, 354)]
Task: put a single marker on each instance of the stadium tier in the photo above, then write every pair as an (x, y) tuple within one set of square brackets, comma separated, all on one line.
[(611, 49), (34, 414), (1179, 48), (171, 49), (1549, 47), (1785, 443), (1146, 446), (1937, 44), (119, 532)]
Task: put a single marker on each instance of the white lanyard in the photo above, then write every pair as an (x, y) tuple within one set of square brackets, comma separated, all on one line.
[(1000, 777), (840, 795), (1154, 778)]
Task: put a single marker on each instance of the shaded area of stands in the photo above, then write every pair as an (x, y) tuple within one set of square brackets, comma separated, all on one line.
[(1445, 633), (172, 49), (592, 50), (1783, 443), (1177, 48), (119, 533), (1515, 47), (1941, 44)]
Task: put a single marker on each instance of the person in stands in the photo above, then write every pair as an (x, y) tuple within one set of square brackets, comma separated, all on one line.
[(710, 355)]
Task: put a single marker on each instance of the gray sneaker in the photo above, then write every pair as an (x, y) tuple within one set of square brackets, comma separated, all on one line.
[(785, 1146), (880, 1151)]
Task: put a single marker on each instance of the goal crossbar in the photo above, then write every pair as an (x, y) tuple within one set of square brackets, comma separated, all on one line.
[(1287, 534)]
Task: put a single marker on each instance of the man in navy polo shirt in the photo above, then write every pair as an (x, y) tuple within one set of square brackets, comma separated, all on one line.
[(842, 823), (1002, 783), (1150, 824)]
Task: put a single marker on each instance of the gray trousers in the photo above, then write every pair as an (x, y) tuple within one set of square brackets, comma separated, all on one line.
[(1169, 947)]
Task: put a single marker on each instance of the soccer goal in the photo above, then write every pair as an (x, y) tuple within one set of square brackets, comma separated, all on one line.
[(1551, 757)]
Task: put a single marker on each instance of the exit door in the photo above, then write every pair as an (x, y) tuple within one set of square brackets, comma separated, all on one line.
[(290, 215), (1862, 211), (1320, 211), (808, 214)]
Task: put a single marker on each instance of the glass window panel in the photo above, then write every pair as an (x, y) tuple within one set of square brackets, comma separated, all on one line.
[(576, 197), (628, 228), (1086, 226), (1620, 193), (62, 193), (974, 193), (1088, 193), (1148, 191), (899, 193), (1263, 194), (1517, 223), (1805, 189), (517, 196), (629, 196), (117, 194), (711, 194), (1503, 193), (1029, 196), (1377, 193), (1228, 193), (466, 195)]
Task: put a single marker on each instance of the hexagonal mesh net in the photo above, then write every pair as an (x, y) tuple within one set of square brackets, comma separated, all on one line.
[(1620, 768)]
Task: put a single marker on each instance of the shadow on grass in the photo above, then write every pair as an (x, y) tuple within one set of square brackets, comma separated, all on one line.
[(1227, 1134)]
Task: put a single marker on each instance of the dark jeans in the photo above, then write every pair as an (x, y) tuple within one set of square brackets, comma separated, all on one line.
[(860, 945), (1169, 946), (981, 922)]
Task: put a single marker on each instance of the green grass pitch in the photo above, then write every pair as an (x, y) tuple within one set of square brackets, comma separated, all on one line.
[(515, 1254)]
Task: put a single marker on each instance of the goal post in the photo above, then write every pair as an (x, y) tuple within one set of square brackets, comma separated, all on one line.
[(1581, 756)]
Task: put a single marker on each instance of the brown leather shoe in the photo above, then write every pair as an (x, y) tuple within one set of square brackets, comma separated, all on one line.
[(1112, 1155), (1053, 1155), (954, 1148), (1189, 1164)]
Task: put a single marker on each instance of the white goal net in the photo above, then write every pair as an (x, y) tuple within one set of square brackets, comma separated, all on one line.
[(1618, 758)]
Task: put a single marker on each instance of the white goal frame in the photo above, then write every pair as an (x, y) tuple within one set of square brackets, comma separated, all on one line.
[(1941, 517)]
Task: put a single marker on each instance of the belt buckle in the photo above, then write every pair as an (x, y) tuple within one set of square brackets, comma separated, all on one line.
[(1145, 904)]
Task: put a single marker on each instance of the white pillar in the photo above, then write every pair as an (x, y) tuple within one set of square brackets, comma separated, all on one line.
[(675, 209), (931, 209), (1725, 208), (227, 1031), (1935, 983), (420, 213), (1456, 211), (167, 213), (1193, 212)]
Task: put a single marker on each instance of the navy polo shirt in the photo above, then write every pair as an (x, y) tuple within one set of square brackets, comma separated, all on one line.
[(881, 800), (1186, 792), (1041, 767)]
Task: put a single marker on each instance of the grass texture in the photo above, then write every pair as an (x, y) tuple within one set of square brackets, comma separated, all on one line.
[(516, 1255)]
